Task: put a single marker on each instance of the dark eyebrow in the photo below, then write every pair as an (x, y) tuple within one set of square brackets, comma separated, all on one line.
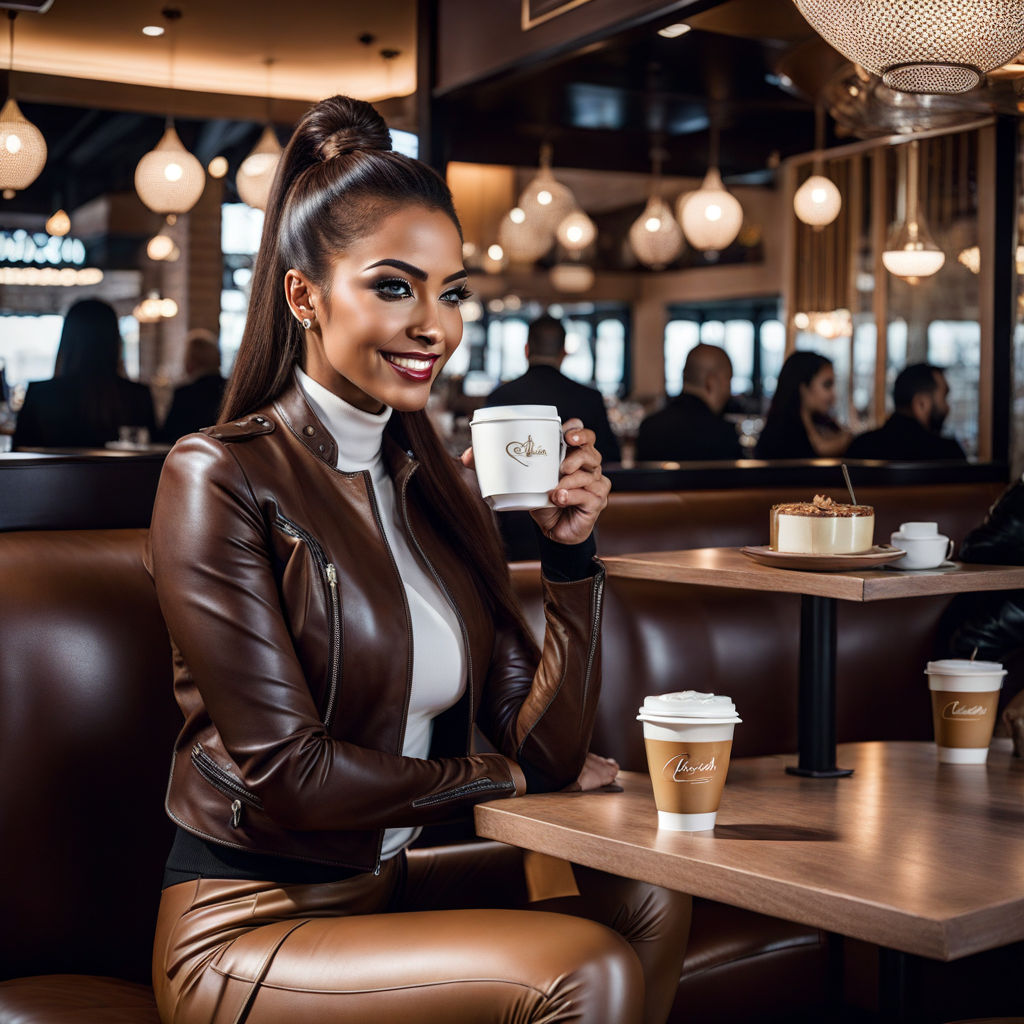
[(420, 275)]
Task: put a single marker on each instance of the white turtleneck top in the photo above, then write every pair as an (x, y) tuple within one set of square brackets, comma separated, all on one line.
[(439, 658)]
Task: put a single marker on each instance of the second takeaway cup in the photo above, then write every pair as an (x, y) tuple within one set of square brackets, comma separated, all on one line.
[(688, 736), (518, 450), (965, 696)]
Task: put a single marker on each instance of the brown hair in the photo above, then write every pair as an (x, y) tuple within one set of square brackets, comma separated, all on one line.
[(337, 179)]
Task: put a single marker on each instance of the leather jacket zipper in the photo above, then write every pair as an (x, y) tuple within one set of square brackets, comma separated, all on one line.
[(448, 597), (329, 574), (408, 628), (595, 635), (223, 781)]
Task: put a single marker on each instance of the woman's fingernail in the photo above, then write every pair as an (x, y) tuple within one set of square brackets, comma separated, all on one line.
[(575, 438)]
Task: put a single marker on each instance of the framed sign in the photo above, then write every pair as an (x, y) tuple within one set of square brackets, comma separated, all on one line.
[(537, 11)]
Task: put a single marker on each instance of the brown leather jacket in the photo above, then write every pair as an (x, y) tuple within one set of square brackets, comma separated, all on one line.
[(293, 655)]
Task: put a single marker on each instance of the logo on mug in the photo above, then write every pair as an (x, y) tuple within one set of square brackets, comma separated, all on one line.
[(520, 450), (955, 711), (681, 769)]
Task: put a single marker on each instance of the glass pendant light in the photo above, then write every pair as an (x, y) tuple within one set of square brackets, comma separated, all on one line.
[(817, 201), (711, 217), (545, 201), (655, 237), (256, 173), (911, 252)]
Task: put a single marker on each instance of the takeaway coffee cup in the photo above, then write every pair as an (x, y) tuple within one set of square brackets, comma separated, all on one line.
[(965, 695), (518, 450), (688, 736), (925, 547)]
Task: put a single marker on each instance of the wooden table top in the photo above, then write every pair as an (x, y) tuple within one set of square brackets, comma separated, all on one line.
[(729, 567), (907, 853)]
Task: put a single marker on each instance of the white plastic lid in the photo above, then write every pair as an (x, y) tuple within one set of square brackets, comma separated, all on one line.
[(689, 704), (963, 667), (495, 413)]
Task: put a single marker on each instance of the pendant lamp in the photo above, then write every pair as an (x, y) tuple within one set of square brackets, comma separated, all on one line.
[(929, 46), (22, 146), (58, 224), (572, 277), (169, 179), (521, 238), (655, 237), (711, 217), (576, 231), (256, 173), (817, 201), (911, 252), (545, 201)]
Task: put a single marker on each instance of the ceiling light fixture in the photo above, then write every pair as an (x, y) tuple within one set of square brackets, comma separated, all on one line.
[(256, 173), (673, 31), (545, 201), (817, 201), (576, 231), (711, 217), (217, 167), (655, 237), (911, 252), (22, 146), (59, 224), (152, 30), (929, 46), (169, 179)]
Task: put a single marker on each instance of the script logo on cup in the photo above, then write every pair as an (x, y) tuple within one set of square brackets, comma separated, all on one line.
[(681, 769), (520, 450), (954, 711)]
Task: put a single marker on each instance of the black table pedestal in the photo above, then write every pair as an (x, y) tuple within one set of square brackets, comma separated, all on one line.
[(817, 695)]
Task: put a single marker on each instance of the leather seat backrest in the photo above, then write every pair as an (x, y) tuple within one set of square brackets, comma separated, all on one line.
[(87, 724)]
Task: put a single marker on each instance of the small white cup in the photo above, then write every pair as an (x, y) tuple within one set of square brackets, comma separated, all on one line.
[(518, 452), (925, 547)]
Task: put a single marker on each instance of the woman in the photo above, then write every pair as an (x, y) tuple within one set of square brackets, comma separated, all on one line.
[(799, 423), (342, 617), (87, 400)]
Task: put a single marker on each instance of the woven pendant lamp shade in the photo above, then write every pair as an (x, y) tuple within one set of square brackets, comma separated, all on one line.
[(929, 46), (655, 237), (169, 179), (576, 231), (546, 202), (711, 216), (522, 238), (22, 148), (256, 173), (817, 201)]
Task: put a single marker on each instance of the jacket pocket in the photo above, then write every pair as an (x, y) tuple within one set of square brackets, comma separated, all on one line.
[(329, 577), (225, 782)]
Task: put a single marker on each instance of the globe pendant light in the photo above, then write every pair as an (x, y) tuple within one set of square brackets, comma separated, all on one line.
[(817, 201), (929, 46), (169, 179), (655, 237), (576, 231), (521, 238), (22, 146), (911, 252), (256, 173), (545, 201), (711, 217)]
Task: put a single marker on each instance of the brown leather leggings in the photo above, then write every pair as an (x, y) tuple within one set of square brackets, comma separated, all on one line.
[(392, 947)]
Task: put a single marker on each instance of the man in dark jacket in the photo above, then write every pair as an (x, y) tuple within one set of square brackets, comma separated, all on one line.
[(690, 427), (196, 404), (913, 433), (544, 384)]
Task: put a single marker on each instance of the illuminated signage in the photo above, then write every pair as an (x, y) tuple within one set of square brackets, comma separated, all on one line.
[(39, 249)]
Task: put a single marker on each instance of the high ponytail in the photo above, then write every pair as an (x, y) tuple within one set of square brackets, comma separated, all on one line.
[(337, 179)]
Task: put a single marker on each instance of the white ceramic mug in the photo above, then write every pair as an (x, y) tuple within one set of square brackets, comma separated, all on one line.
[(925, 547), (518, 452)]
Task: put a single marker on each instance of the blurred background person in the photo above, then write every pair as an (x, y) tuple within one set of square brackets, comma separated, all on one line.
[(799, 423), (197, 403), (545, 384), (913, 433), (87, 401), (690, 427)]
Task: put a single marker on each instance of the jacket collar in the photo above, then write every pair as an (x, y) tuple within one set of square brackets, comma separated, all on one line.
[(298, 416)]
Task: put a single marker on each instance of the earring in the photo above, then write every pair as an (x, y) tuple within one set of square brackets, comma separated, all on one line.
[(306, 322)]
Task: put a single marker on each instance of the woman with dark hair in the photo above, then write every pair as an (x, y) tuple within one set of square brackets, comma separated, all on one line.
[(343, 623), (87, 400), (799, 423)]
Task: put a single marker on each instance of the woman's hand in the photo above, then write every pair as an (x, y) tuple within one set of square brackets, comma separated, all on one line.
[(582, 490), (597, 772)]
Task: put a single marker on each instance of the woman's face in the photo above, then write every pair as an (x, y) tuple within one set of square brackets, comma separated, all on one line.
[(818, 395), (391, 318)]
